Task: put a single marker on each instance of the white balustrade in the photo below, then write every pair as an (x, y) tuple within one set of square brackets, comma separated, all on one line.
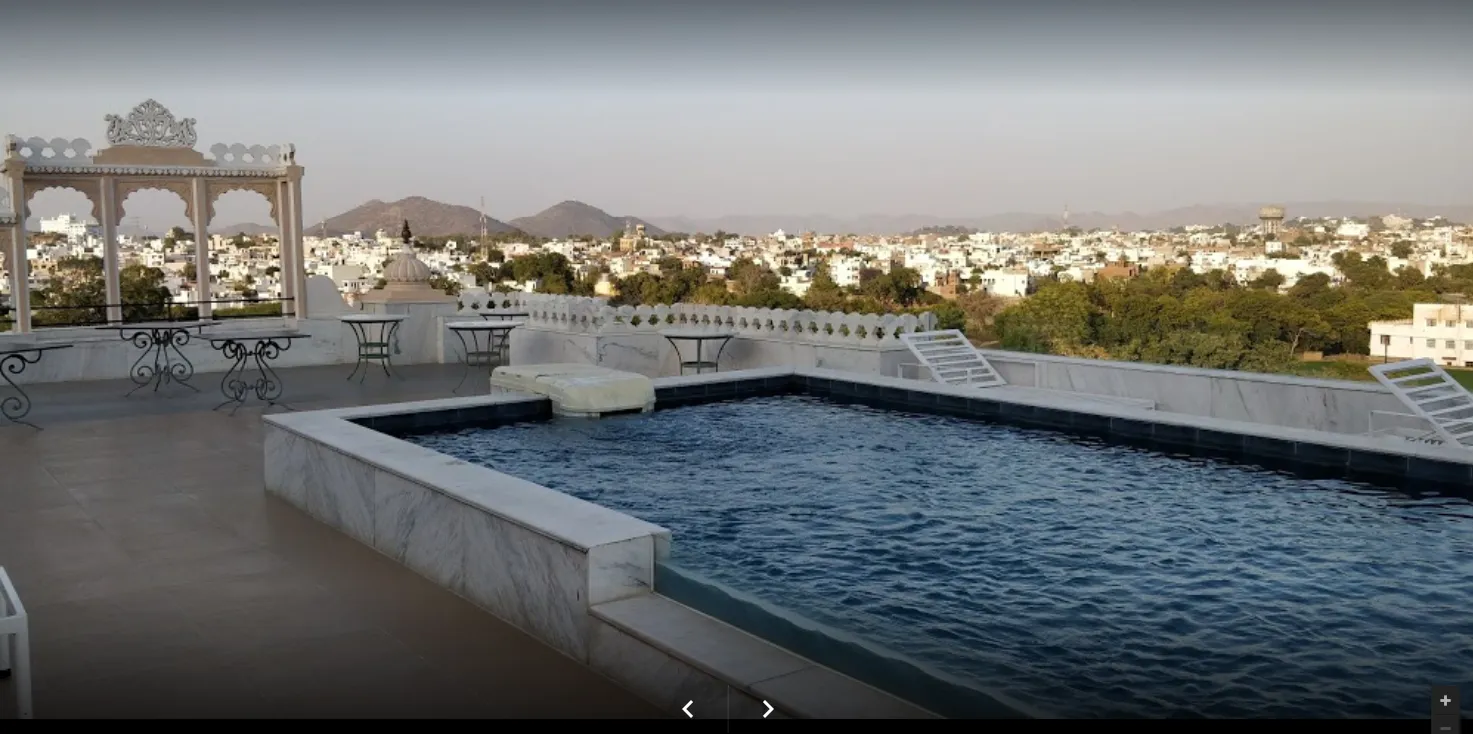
[(582, 315)]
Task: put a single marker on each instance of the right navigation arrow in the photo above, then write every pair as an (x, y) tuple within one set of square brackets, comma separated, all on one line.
[(769, 709)]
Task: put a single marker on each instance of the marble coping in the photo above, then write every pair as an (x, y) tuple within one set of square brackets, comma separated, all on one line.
[(755, 668), (572, 522)]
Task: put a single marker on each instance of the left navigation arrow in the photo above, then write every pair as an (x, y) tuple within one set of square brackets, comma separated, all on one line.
[(686, 710)]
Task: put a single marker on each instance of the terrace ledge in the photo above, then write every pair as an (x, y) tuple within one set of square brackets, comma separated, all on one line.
[(564, 518)]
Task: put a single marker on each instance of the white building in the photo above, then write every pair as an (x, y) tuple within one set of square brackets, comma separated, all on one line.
[(1006, 283), (1437, 331), (65, 224)]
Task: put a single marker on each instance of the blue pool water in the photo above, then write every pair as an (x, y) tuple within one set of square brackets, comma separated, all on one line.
[(1068, 576)]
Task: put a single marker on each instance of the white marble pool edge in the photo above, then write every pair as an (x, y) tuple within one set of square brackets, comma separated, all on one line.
[(579, 576), (574, 575)]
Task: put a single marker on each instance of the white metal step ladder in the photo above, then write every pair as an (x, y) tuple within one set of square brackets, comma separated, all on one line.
[(952, 359), (1432, 394)]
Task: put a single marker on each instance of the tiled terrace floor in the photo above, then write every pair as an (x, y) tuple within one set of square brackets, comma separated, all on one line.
[(162, 581)]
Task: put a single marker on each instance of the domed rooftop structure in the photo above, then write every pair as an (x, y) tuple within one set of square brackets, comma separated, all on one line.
[(406, 267), (407, 279)]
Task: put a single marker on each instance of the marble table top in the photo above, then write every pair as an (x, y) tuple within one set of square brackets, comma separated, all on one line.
[(373, 318), (696, 334), (483, 325), (160, 325)]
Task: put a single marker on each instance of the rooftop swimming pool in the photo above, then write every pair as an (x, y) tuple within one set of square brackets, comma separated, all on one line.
[(955, 562)]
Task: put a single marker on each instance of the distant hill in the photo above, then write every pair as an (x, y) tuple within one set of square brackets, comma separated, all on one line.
[(426, 217), (572, 218), (944, 230), (1033, 221), (250, 230)]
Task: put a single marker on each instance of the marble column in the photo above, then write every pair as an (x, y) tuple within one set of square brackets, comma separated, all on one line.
[(203, 292), (107, 214), (18, 265), (284, 249), (299, 255)]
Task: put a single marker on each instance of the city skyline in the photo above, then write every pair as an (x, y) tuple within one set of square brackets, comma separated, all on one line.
[(661, 112)]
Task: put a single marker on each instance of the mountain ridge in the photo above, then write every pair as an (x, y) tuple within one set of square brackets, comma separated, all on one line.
[(575, 218), (426, 217), (570, 217)]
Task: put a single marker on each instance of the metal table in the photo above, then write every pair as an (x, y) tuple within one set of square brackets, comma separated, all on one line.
[(378, 340), (504, 315), (700, 337), (263, 348), (14, 358), (159, 338), (495, 352)]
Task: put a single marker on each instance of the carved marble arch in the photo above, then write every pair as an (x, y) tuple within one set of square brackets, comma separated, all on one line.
[(216, 189), (180, 188), (88, 187)]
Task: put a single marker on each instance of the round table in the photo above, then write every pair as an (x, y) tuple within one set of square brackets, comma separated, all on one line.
[(159, 339), (504, 315), (377, 341), (15, 356), (495, 352), (700, 337), (264, 348)]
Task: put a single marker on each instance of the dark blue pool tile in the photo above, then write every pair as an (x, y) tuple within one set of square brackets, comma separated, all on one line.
[(1015, 412), (1131, 428), (983, 408), (1446, 472), (721, 389), (1273, 448), (1052, 418), (952, 405), (913, 398), (778, 384), (861, 389), (843, 388), (1219, 440), (1375, 462), (1173, 435), (1090, 423), (816, 385), (1312, 453)]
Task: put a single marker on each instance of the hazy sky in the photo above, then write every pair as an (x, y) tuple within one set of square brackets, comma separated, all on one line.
[(705, 109)]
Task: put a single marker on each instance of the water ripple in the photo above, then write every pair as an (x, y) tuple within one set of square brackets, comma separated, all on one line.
[(1079, 578)]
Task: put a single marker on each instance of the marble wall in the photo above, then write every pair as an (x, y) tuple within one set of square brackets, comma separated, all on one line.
[(653, 356), (1336, 406), (534, 557), (103, 355)]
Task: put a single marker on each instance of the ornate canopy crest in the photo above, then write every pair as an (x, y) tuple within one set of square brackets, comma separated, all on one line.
[(151, 124)]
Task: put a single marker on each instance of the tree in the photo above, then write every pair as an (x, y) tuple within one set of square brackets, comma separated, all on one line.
[(823, 293), (190, 272), (484, 272), (1270, 280), (1401, 249), (77, 294), (1055, 319)]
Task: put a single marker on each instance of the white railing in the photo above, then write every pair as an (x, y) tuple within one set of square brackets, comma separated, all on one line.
[(575, 314)]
